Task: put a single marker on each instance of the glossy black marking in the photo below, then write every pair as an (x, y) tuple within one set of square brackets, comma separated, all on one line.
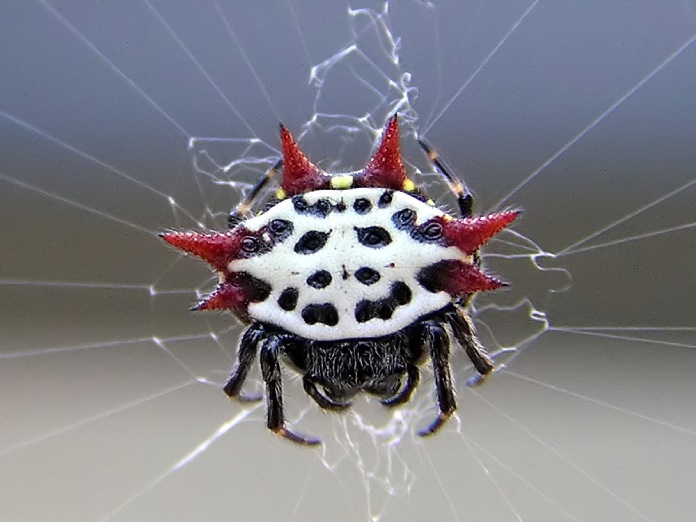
[(325, 313), (319, 279), (311, 242), (262, 241), (384, 308), (385, 199), (344, 272), (251, 246), (362, 205), (280, 229), (364, 311), (255, 289), (431, 231), (255, 245), (300, 204), (381, 309), (367, 276), (404, 219), (320, 208), (427, 232), (340, 206), (373, 237), (428, 278), (288, 299), (401, 293)]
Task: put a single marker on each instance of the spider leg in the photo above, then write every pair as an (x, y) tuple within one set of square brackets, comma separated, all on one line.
[(271, 347), (245, 357), (311, 388), (464, 333), (404, 395), (243, 207), (464, 199), (435, 336)]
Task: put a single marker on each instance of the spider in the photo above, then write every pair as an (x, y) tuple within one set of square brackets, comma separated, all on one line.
[(352, 279)]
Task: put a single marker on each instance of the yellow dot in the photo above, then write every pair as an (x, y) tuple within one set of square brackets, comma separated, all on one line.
[(343, 181), (408, 186), (430, 202), (280, 193)]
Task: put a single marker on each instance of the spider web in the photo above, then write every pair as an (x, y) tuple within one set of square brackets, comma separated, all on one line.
[(121, 120)]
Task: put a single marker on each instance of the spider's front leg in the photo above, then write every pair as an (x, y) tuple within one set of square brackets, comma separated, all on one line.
[(310, 388), (435, 337), (415, 358), (245, 357), (404, 395), (271, 347)]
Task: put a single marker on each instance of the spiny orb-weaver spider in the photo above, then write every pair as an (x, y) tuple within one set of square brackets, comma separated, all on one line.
[(352, 278)]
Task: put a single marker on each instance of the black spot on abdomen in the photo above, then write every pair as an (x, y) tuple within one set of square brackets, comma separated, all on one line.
[(288, 299), (255, 289), (431, 277), (325, 313), (381, 309), (367, 276), (362, 205), (320, 208), (404, 219), (385, 199), (373, 237), (311, 242), (319, 279), (401, 293), (364, 311), (384, 308), (280, 230)]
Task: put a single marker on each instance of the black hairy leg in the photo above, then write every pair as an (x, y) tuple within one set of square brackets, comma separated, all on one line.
[(463, 331), (332, 372), (415, 357), (245, 358), (325, 402), (242, 209), (404, 395), (434, 337), (271, 347), (272, 344), (465, 201)]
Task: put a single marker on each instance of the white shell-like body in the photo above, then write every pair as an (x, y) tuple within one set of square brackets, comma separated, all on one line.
[(397, 260)]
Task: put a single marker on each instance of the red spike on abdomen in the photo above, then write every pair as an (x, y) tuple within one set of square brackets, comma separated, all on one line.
[(226, 296), (299, 174), (457, 278), (386, 168), (469, 234), (217, 248)]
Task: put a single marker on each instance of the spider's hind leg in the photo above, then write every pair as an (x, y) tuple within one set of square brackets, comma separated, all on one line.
[(465, 200), (463, 331)]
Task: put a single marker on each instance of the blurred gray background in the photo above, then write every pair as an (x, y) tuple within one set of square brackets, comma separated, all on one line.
[(122, 119)]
